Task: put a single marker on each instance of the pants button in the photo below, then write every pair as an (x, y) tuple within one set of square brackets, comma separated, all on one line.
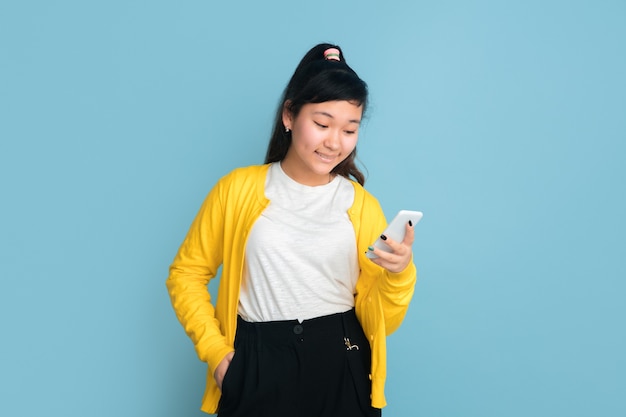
[(298, 329)]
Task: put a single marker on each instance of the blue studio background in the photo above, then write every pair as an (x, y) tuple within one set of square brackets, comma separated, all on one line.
[(504, 121)]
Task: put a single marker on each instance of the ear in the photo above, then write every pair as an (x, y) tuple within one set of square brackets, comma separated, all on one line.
[(287, 115)]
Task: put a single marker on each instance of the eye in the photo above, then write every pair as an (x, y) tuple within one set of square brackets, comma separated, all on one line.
[(321, 125), (350, 132)]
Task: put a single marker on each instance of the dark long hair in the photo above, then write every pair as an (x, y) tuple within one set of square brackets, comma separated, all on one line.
[(317, 80)]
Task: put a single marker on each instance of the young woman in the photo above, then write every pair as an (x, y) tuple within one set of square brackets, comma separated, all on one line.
[(301, 317)]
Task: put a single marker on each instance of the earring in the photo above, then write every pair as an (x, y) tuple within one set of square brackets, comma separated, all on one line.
[(286, 130)]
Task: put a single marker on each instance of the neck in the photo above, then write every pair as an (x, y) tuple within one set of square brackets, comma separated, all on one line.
[(310, 179)]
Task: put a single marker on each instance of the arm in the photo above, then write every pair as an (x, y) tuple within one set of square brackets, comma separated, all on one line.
[(195, 264), (390, 278)]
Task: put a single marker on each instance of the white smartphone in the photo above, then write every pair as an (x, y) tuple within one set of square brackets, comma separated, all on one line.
[(396, 229)]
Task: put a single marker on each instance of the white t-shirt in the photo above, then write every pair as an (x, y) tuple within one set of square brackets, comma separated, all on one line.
[(301, 257)]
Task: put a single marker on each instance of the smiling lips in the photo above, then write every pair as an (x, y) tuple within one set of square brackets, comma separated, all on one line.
[(326, 158)]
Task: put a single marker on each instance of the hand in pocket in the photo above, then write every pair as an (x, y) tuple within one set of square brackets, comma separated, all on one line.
[(222, 368)]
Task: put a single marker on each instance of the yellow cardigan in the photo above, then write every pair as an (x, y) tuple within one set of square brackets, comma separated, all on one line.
[(218, 237)]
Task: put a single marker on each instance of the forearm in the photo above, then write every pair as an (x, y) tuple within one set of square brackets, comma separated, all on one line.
[(192, 303), (396, 292)]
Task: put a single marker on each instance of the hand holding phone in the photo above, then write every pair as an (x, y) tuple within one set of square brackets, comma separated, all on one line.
[(396, 230)]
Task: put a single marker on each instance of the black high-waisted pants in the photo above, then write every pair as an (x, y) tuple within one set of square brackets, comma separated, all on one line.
[(317, 368)]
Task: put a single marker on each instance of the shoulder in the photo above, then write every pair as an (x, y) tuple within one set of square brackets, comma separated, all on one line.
[(241, 183), (364, 201)]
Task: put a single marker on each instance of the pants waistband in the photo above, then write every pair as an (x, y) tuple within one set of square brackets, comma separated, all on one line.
[(333, 323)]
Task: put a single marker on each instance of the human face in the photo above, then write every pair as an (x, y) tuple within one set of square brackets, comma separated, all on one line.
[(323, 135)]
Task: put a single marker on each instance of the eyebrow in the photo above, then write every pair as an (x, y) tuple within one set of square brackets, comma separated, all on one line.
[(323, 113)]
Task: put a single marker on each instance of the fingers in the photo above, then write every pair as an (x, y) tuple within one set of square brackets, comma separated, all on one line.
[(409, 236), (401, 247), (386, 260), (401, 252)]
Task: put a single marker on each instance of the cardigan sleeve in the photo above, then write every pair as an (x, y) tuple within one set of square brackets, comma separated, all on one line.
[(393, 291), (396, 291), (382, 298), (195, 264)]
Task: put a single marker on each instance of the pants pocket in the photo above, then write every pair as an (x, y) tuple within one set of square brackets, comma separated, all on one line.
[(230, 374), (231, 385)]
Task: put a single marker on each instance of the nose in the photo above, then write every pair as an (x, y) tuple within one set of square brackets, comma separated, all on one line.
[(333, 140)]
